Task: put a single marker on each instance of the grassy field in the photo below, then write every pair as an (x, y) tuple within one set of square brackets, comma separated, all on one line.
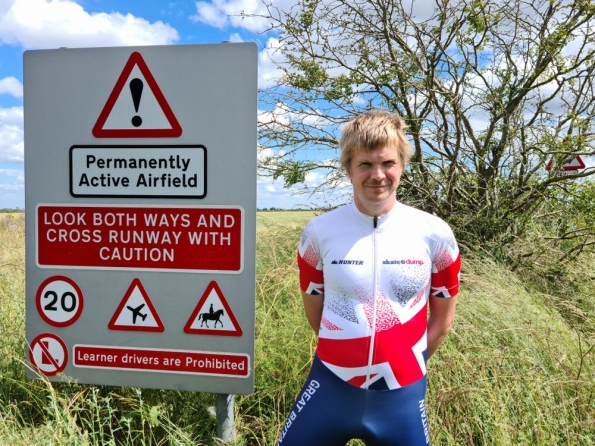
[(517, 369)]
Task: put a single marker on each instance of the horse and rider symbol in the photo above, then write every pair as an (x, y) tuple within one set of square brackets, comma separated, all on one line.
[(211, 316)]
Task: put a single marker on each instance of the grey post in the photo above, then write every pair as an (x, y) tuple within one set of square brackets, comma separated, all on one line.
[(225, 429)]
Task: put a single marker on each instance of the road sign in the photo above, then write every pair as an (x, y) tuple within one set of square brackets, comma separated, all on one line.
[(59, 301), (122, 199), (193, 239), (154, 171), (48, 354), (136, 311), (571, 164), (575, 163), (213, 315), (123, 116)]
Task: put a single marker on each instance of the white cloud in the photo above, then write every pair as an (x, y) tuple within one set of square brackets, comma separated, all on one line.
[(11, 135), (271, 193), (64, 23), (236, 38), (268, 60), (209, 14), (12, 86), (235, 13), (12, 173), (279, 115)]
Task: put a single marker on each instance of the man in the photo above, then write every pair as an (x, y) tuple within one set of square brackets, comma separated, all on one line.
[(368, 272)]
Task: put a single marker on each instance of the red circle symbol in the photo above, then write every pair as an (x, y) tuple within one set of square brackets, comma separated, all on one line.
[(59, 301), (48, 354)]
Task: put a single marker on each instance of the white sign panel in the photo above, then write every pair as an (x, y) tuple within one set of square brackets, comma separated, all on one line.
[(131, 171), (141, 215)]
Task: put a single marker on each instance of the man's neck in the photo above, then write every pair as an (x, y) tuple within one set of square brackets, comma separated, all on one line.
[(375, 209)]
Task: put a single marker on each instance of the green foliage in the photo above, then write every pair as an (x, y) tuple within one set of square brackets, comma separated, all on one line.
[(514, 354), (292, 171), (308, 75), (307, 15)]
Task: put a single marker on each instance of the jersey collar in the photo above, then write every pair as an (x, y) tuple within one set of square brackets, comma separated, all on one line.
[(368, 220)]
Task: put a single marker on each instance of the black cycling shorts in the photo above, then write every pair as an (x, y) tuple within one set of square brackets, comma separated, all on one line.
[(330, 412)]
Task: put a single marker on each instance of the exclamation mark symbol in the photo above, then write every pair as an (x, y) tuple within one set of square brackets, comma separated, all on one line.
[(136, 90)]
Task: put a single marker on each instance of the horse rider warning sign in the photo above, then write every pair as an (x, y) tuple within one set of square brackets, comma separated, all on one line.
[(213, 315)]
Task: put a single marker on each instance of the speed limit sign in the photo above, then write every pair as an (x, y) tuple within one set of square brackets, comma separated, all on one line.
[(59, 301)]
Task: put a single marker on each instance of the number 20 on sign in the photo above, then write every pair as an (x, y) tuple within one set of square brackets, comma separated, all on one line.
[(59, 301)]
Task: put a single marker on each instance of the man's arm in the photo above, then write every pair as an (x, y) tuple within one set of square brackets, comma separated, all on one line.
[(442, 313), (313, 304)]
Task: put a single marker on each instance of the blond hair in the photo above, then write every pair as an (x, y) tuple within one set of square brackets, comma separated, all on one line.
[(371, 131)]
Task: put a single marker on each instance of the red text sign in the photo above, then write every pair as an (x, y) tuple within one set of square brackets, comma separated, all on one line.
[(198, 239), (159, 360)]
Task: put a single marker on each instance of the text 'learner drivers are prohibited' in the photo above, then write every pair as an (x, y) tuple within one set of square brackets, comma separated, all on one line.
[(192, 239), (161, 360)]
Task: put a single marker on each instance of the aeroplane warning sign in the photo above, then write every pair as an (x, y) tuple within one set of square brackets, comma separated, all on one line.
[(213, 315), (59, 301), (136, 311), (136, 107), (48, 354)]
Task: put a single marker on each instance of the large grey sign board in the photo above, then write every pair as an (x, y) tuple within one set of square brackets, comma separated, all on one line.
[(140, 183)]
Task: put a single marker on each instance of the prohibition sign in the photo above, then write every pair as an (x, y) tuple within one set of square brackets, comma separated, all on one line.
[(59, 301), (48, 354)]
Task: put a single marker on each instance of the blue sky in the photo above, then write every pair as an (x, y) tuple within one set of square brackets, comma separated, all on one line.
[(50, 24)]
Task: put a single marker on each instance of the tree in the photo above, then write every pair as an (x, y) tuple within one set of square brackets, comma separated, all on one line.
[(491, 92)]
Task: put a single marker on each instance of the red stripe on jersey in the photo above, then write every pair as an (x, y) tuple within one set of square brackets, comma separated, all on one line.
[(448, 277), (308, 274)]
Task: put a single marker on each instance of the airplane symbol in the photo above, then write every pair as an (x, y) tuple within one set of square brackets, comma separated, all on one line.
[(136, 312)]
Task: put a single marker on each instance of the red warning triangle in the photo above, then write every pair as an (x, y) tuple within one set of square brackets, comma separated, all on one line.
[(136, 311), (575, 164), (136, 108), (213, 315), (572, 163)]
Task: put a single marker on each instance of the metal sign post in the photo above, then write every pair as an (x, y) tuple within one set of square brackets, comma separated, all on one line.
[(141, 216)]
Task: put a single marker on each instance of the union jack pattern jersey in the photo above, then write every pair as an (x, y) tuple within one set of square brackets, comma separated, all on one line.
[(376, 278)]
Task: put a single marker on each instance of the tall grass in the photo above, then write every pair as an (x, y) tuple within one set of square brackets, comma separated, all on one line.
[(518, 367)]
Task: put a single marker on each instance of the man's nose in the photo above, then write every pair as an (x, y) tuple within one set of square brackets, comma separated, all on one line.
[(377, 172)]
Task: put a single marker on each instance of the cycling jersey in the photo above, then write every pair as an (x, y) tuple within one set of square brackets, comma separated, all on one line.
[(376, 274)]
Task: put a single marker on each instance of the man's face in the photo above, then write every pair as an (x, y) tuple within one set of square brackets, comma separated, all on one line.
[(375, 176)]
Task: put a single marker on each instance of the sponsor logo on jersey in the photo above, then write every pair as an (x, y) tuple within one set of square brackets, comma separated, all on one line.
[(403, 262), (347, 262)]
